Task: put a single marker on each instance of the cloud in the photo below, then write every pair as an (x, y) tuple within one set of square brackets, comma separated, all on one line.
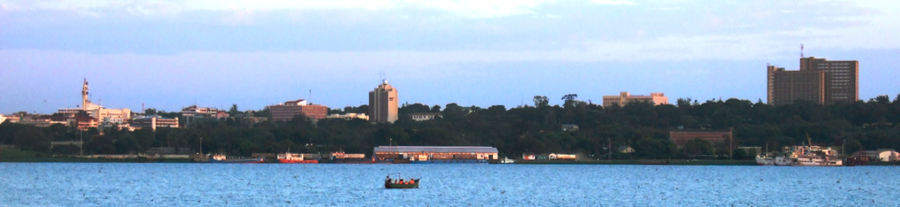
[(614, 2)]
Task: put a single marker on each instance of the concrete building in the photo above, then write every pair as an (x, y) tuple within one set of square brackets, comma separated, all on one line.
[(287, 110), (83, 123), (194, 113), (96, 111), (154, 122), (818, 80), (383, 103), (624, 98), (43, 120), (424, 116), (2, 118), (113, 115), (348, 116)]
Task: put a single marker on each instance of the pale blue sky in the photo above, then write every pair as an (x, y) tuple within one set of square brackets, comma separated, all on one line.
[(170, 54)]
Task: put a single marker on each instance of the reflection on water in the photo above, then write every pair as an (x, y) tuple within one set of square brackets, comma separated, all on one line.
[(127, 184)]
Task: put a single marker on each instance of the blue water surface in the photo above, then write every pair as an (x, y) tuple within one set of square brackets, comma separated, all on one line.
[(190, 184)]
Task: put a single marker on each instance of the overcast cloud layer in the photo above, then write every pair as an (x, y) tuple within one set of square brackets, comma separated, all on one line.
[(169, 54)]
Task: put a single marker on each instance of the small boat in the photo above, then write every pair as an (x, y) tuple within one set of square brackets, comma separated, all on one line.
[(764, 160), (401, 183), (220, 158)]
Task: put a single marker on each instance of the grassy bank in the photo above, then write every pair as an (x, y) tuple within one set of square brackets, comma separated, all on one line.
[(642, 162), (11, 155)]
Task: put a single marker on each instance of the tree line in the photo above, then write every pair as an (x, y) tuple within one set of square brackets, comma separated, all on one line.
[(859, 125)]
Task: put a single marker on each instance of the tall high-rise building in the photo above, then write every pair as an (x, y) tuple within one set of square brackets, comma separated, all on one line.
[(818, 80), (383, 103)]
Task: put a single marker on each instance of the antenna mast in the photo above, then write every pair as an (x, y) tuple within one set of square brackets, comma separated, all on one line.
[(801, 50)]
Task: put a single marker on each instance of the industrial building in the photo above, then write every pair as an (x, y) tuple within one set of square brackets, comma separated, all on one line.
[(435, 153)]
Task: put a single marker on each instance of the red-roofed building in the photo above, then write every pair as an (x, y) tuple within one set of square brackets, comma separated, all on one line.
[(83, 123), (721, 139)]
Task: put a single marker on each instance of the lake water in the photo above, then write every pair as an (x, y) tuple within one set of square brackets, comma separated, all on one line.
[(189, 184)]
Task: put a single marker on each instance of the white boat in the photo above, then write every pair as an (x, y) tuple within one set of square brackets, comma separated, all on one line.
[(764, 160), (784, 160), (506, 160)]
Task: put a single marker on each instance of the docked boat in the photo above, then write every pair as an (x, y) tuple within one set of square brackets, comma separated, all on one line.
[(506, 160), (350, 158), (390, 182), (808, 156), (764, 160), (220, 158), (294, 158), (784, 160)]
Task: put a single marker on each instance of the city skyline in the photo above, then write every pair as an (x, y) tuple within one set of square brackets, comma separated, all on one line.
[(171, 54)]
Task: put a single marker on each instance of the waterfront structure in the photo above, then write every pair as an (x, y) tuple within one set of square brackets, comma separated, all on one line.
[(819, 80), (424, 116), (425, 153), (624, 98), (383, 103), (153, 122), (883, 155), (348, 116), (287, 110)]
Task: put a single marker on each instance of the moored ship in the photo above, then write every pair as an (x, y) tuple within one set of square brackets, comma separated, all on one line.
[(220, 158), (294, 158), (350, 158)]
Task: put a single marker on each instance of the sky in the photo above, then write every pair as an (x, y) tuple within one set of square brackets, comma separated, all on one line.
[(169, 54)]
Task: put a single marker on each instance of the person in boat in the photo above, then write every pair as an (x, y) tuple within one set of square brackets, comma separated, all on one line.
[(412, 181), (401, 181), (387, 179)]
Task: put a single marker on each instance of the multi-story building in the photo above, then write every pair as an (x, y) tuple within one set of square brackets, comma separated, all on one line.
[(348, 116), (818, 80), (154, 122), (83, 122), (289, 109), (192, 113), (95, 110), (117, 116), (383, 103), (624, 98)]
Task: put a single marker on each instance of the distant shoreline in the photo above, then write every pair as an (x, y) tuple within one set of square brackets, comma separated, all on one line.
[(642, 162)]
